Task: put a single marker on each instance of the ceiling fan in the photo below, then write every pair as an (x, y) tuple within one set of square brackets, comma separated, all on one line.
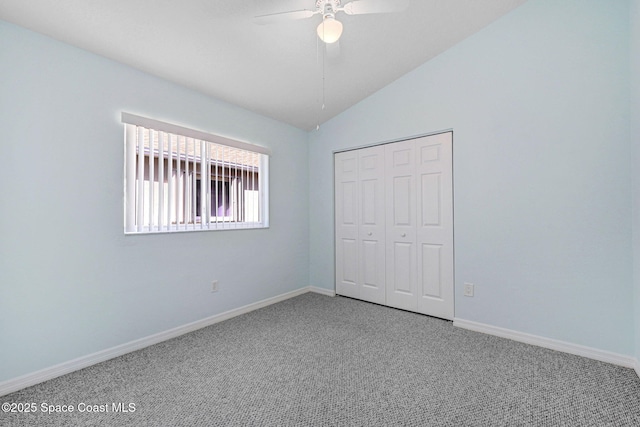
[(330, 29)]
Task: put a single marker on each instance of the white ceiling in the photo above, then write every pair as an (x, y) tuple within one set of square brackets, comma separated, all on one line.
[(215, 47)]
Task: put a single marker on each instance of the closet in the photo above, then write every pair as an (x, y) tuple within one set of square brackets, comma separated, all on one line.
[(394, 224)]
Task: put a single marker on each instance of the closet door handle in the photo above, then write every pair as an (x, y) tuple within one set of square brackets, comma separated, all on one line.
[(369, 233), (404, 234)]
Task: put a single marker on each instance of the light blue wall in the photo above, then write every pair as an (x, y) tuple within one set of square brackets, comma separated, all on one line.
[(635, 143), (538, 102), (71, 283)]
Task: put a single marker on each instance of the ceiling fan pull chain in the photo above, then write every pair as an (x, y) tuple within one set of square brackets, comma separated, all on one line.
[(324, 59), (318, 95)]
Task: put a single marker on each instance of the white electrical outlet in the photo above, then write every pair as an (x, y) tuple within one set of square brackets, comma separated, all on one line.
[(214, 286), (468, 289)]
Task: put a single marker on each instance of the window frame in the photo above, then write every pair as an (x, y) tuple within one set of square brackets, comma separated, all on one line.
[(135, 222)]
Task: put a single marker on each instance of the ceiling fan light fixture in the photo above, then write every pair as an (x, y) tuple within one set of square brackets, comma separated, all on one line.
[(329, 30)]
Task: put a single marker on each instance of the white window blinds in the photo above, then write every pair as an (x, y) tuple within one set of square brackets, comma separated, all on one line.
[(180, 179)]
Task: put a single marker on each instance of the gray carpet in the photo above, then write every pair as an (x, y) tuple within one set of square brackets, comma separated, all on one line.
[(320, 361)]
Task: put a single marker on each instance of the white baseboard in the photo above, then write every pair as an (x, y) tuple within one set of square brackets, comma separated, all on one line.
[(566, 347), (28, 380), (322, 291)]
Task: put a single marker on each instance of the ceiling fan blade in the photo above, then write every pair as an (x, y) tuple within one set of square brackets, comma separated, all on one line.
[(361, 7), (273, 18)]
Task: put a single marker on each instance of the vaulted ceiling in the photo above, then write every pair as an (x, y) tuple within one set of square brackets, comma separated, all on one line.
[(277, 70)]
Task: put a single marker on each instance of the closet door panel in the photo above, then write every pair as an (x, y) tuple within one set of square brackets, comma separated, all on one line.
[(346, 223), (430, 199), (402, 278), (371, 224), (431, 269), (435, 225), (401, 222)]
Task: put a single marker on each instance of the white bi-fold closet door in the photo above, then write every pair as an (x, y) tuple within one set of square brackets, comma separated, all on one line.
[(360, 226), (394, 224)]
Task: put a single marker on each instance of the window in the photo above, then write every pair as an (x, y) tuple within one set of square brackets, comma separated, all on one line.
[(179, 179)]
